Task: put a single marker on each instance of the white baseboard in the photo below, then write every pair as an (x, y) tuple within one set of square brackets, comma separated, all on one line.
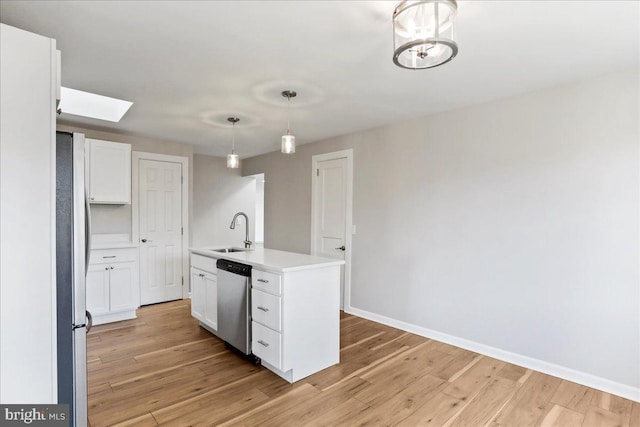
[(565, 373)]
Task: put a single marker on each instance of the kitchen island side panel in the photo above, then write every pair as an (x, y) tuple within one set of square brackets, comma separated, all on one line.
[(311, 320)]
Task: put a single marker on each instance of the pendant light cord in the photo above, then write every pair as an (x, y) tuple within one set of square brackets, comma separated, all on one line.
[(288, 115), (233, 138)]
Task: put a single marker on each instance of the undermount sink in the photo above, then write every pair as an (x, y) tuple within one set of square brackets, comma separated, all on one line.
[(230, 250)]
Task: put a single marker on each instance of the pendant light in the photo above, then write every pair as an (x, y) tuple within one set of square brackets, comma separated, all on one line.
[(233, 161), (424, 33), (288, 141)]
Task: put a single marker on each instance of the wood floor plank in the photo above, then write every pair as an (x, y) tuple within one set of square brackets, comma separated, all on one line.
[(279, 411), (145, 420), (467, 385), (512, 372), (436, 412), (214, 407), (446, 367), (393, 407), (634, 419), (529, 402), (558, 416), (353, 362), (598, 417), (573, 396), (315, 408), (487, 403), (341, 415), (163, 368)]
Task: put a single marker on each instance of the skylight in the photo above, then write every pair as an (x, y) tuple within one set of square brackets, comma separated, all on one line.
[(88, 104)]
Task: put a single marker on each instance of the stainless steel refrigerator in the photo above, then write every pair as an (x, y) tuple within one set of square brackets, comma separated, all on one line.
[(72, 257)]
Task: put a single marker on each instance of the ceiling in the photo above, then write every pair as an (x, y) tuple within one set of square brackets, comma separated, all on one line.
[(187, 65)]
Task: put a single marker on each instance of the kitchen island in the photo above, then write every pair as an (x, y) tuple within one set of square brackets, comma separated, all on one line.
[(294, 308)]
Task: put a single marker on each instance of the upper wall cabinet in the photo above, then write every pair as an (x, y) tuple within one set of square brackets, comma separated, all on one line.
[(108, 172)]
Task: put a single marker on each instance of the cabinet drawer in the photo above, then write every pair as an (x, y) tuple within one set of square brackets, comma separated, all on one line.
[(204, 263), (266, 344), (268, 282), (266, 309), (104, 256)]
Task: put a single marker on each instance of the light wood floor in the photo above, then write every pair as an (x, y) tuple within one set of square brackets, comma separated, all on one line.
[(162, 368)]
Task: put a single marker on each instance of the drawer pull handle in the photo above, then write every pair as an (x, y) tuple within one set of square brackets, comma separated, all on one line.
[(109, 256), (263, 281), (266, 344), (263, 309)]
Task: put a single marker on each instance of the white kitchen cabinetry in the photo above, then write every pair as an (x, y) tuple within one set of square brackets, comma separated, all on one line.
[(108, 167), (112, 285), (198, 293), (204, 291), (296, 327)]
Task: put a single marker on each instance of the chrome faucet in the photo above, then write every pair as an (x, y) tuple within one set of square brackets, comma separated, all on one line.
[(247, 242)]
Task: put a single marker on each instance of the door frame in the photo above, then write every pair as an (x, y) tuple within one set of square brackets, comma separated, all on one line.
[(348, 229), (136, 156)]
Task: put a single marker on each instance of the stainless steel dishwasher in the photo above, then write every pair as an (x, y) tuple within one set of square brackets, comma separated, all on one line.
[(234, 306)]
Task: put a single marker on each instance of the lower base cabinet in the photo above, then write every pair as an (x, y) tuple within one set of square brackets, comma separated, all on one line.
[(112, 289), (296, 320), (204, 292)]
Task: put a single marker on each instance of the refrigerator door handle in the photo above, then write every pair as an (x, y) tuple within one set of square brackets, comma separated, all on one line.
[(87, 234), (89, 321)]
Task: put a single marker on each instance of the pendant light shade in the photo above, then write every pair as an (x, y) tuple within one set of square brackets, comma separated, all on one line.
[(288, 145), (424, 33), (233, 160)]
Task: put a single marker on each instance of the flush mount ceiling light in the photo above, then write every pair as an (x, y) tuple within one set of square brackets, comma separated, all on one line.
[(424, 33), (233, 161), (288, 140), (86, 104)]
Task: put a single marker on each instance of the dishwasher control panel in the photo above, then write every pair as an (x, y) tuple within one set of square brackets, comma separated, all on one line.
[(234, 267)]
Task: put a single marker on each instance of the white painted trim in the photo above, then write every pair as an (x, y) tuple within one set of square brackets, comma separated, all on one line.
[(53, 207), (563, 372), (136, 156), (638, 284), (348, 154)]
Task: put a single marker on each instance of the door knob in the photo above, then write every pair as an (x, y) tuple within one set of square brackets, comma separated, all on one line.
[(342, 248), (144, 240)]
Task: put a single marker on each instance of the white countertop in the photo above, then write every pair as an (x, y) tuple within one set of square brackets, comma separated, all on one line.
[(112, 241), (271, 259), (115, 245)]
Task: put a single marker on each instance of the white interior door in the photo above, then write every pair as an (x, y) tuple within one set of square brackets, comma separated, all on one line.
[(160, 228), (331, 211)]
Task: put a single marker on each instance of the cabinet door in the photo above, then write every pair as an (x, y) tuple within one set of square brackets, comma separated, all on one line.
[(198, 293), (211, 305), (122, 282), (97, 288), (109, 172)]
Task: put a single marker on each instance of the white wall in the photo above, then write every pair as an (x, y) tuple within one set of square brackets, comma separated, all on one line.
[(218, 194), (512, 224)]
